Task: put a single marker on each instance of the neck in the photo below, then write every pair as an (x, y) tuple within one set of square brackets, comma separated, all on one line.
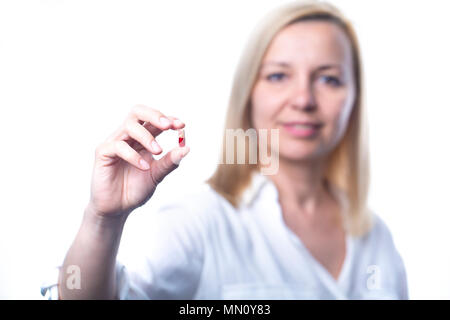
[(301, 185)]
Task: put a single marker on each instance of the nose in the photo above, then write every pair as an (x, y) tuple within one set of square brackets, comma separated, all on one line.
[(302, 97)]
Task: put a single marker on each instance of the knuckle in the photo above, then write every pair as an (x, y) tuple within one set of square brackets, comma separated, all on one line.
[(153, 111), (114, 135), (99, 150), (135, 108), (118, 145), (128, 125), (148, 108), (134, 111), (122, 149)]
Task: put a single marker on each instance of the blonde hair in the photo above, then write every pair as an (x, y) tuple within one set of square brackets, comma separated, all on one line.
[(348, 164)]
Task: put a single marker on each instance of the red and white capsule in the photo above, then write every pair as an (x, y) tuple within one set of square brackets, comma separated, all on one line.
[(181, 138)]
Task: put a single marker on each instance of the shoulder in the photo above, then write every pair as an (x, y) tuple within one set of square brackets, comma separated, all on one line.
[(379, 240), (379, 249), (380, 233)]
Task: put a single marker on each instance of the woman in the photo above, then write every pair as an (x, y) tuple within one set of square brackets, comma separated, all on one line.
[(303, 232)]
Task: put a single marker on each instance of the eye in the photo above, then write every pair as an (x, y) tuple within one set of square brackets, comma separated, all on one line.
[(276, 77), (331, 80)]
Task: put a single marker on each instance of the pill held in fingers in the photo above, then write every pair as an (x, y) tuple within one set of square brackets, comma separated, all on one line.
[(181, 138)]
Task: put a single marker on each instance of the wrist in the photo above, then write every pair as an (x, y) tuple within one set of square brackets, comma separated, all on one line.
[(100, 222)]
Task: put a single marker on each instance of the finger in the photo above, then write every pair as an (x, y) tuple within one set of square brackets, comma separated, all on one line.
[(168, 163), (176, 124), (152, 116), (143, 136), (122, 150)]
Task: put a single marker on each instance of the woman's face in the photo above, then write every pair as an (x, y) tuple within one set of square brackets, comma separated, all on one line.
[(305, 89)]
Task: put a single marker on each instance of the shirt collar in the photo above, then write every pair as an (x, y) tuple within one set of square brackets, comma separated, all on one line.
[(260, 182)]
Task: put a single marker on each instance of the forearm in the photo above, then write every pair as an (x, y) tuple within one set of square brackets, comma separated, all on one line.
[(93, 253)]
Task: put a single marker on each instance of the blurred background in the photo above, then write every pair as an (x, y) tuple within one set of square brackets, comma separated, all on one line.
[(71, 70)]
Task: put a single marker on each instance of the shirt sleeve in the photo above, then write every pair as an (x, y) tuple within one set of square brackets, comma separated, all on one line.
[(167, 260), (49, 285)]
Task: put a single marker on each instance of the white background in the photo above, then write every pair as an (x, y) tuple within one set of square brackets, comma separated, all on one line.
[(71, 70)]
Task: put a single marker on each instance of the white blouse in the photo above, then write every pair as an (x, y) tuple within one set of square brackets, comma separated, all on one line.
[(201, 247)]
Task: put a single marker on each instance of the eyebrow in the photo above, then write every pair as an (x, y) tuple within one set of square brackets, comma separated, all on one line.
[(281, 64), (288, 65)]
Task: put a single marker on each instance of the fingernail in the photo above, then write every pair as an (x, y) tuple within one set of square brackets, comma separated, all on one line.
[(177, 122), (155, 146), (144, 164), (164, 121)]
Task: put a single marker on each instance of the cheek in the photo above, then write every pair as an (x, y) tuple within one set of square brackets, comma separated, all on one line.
[(264, 107), (337, 116)]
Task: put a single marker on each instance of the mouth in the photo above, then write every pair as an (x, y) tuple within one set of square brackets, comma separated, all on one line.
[(302, 129)]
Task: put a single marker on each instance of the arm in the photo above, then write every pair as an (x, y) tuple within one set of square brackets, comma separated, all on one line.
[(124, 178), (94, 252)]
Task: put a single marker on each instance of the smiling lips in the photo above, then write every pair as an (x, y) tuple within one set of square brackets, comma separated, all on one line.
[(302, 129)]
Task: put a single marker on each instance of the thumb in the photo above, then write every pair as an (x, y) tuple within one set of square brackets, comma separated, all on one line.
[(168, 163)]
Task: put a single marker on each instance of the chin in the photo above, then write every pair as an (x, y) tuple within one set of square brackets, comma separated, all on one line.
[(299, 157), (299, 152)]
